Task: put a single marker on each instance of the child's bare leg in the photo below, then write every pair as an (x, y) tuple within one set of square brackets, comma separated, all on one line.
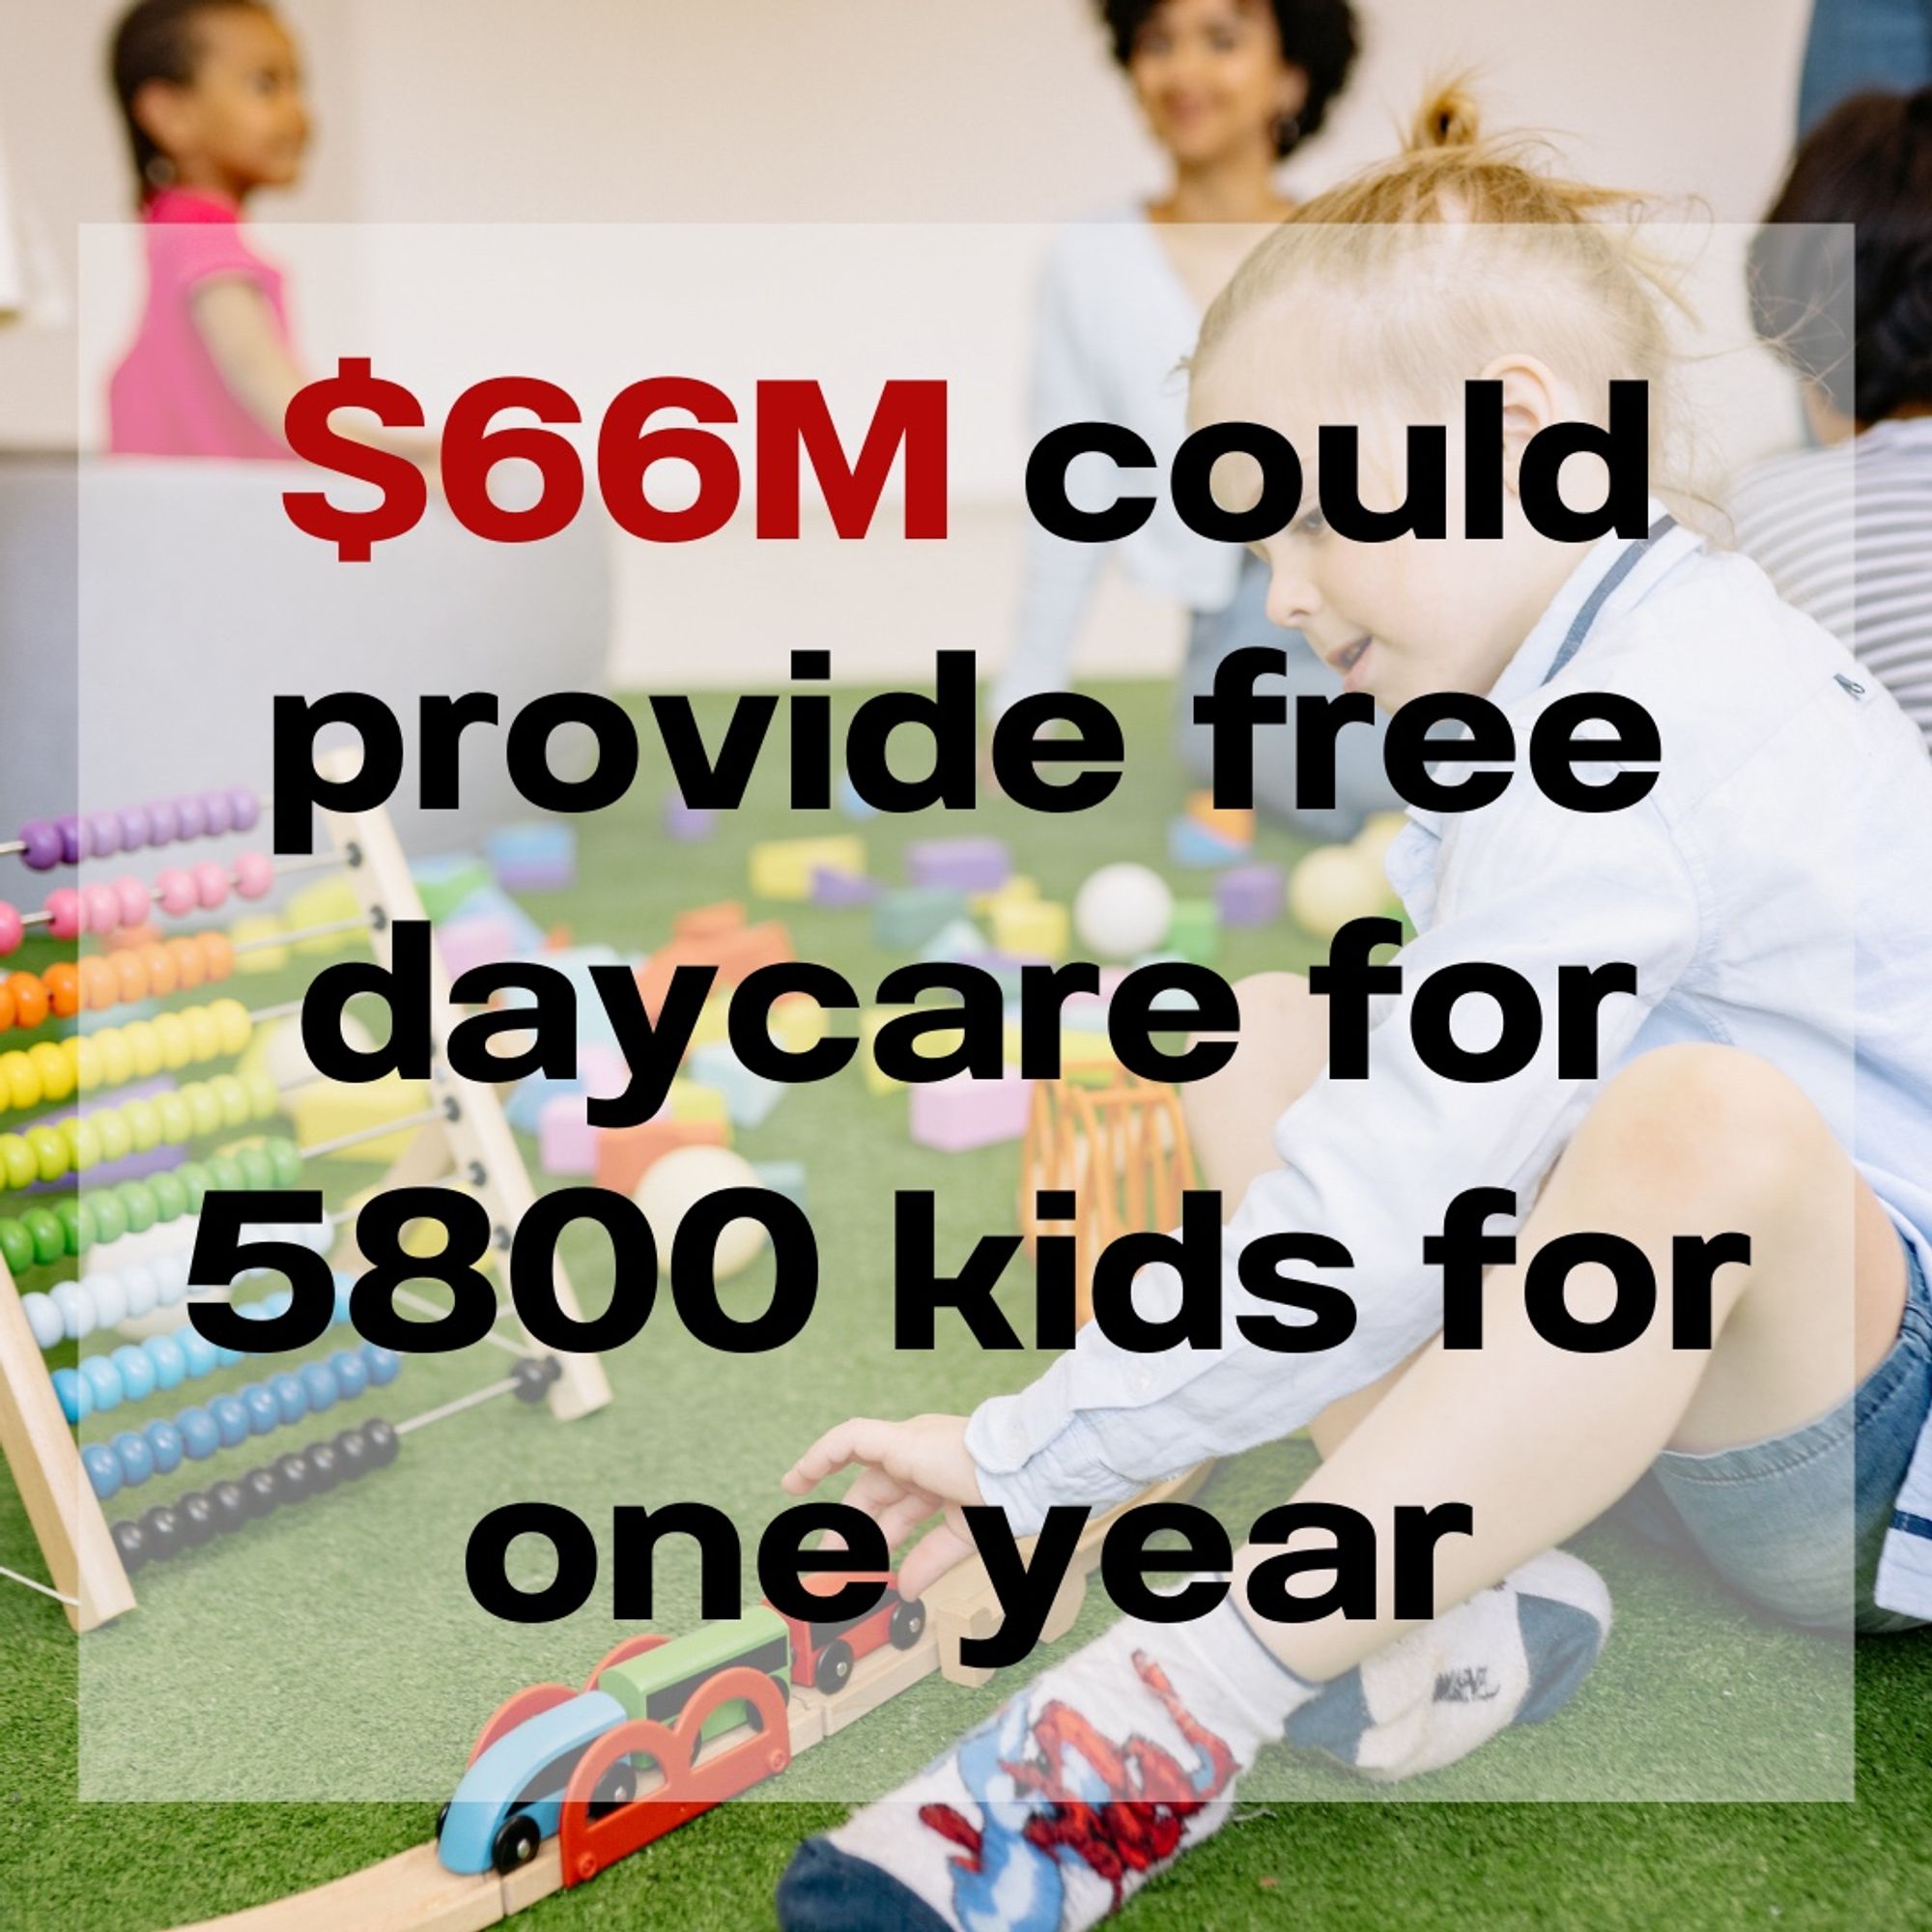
[(1540, 1441), (1280, 1051)]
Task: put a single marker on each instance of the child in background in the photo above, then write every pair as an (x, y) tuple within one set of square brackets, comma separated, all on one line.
[(1770, 1075), (212, 95), (1845, 530)]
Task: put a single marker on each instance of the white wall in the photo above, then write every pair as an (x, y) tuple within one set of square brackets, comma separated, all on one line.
[(768, 112)]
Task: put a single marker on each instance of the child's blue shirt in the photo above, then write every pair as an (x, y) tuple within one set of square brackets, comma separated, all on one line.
[(1774, 894)]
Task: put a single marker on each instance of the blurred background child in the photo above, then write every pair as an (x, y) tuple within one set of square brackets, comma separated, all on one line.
[(1841, 287), (1229, 88), (212, 95)]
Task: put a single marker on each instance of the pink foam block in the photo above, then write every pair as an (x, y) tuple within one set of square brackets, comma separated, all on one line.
[(961, 1113), (566, 1141), (481, 941), (967, 865)]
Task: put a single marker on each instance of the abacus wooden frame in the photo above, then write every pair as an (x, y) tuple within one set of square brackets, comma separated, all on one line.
[(35, 1435)]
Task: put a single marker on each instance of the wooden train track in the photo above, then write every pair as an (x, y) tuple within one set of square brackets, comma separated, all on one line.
[(412, 1893)]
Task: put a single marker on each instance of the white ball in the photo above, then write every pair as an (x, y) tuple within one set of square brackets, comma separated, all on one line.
[(110, 1299), (1333, 885), (675, 1183), (1122, 910)]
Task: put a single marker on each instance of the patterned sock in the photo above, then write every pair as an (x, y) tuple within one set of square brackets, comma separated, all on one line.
[(1109, 1766), (1056, 1809), (1512, 1655)]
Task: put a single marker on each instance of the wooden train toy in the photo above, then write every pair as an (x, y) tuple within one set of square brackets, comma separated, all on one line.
[(664, 1729)]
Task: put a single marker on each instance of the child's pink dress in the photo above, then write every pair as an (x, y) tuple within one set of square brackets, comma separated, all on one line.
[(167, 397)]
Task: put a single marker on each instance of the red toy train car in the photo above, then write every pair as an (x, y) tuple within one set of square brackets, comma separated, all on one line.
[(824, 1652)]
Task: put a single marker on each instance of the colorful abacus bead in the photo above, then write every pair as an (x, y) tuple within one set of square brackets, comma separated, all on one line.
[(11, 930), (42, 842), (194, 1519)]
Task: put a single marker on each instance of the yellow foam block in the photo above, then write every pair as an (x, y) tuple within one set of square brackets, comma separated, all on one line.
[(422, 1238), (326, 1109), (1016, 890), (933, 1045), (325, 903), (798, 1025), (1039, 926), (1082, 1054), (714, 1021), (259, 925), (687, 1100), (782, 869)]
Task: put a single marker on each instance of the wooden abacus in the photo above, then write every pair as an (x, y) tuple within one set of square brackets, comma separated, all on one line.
[(137, 1269)]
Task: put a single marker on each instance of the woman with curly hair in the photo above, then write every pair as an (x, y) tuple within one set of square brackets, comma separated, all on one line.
[(1230, 88)]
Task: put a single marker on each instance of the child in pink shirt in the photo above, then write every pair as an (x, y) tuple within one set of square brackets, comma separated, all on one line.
[(211, 95)]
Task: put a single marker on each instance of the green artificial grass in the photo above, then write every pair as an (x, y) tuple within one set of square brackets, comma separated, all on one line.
[(260, 1670)]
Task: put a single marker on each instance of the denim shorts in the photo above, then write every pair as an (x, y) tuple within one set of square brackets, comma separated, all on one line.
[(1798, 1523)]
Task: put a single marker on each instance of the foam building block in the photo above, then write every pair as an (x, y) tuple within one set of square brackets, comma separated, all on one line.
[(970, 865), (566, 1141), (1235, 824), (956, 939), (1021, 886), (735, 951), (798, 1022), (835, 889), (933, 1045), (870, 1020), (782, 869), (524, 1103), (1004, 967), (1195, 931), (491, 901), (1192, 845), (961, 1113), (708, 922), (443, 882), (1251, 894), (1081, 1054), (593, 1023), (328, 903), (481, 940), (1039, 926), (908, 917), (783, 1176), (748, 1097), (624, 1154), (258, 959), (688, 824), (324, 1110), (851, 804), (691, 1103), (539, 855)]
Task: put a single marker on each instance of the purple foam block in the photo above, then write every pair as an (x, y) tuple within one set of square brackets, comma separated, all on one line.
[(1249, 895), (967, 865), (688, 823), (830, 888)]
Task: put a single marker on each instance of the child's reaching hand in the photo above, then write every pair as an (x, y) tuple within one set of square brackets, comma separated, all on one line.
[(912, 1470)]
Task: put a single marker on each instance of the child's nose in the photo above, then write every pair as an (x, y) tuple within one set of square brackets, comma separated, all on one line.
[(1293, 599)]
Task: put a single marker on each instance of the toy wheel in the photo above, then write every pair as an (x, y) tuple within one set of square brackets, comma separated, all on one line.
[(517, 1841), (835, 1666), (908, 1625), (618, 1786), (441, 1817)]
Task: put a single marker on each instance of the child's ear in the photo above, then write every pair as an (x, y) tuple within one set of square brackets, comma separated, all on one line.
[(163, 112), (1530, 405)]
